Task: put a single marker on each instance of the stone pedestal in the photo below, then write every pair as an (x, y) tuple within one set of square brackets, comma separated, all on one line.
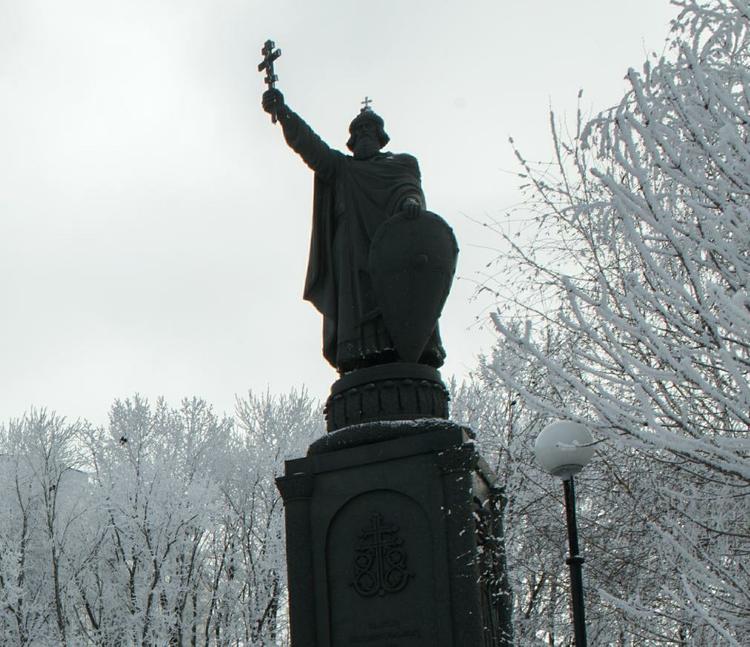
[(385, 525)]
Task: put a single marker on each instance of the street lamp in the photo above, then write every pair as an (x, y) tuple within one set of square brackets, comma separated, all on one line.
[(563, 448)]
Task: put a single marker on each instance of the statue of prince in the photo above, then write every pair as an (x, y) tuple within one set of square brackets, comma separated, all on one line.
[(380, 265)]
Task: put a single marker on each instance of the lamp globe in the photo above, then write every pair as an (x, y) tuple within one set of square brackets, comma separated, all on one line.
[(563, 448)]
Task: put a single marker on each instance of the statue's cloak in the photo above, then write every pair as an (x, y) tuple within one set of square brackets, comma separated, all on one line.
[(347, 211)]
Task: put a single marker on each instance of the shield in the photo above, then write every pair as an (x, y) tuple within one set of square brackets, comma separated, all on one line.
[(412, 262)]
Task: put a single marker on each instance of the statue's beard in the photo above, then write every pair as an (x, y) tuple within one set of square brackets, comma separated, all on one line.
[(365, 147)]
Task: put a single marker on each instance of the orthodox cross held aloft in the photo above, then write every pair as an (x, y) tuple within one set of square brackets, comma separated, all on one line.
[(269, 56)]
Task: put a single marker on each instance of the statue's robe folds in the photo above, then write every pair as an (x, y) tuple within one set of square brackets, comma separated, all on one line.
[(351, 199)]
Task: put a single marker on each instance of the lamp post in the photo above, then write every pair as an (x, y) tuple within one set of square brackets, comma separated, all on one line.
[(563, 448)]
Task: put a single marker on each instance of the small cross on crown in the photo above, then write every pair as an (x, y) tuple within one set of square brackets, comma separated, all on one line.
[(366, 103)]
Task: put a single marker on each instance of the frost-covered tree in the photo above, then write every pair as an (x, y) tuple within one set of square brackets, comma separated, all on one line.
[(614, 534), (270, 430), (155, 472), (194, 550), (169, 533), (45, 502), (638, 260)]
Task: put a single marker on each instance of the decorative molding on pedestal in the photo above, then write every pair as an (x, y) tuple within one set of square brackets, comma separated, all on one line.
[(295, 487), (379, 559), (375, 432), (396, 391)]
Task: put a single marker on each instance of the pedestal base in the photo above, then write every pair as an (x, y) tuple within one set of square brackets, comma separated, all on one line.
[(382, 541)]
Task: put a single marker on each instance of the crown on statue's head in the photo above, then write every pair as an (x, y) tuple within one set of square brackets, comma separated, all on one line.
[(366, 114)]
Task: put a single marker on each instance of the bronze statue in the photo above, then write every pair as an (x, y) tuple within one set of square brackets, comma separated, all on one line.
[(380, 265)]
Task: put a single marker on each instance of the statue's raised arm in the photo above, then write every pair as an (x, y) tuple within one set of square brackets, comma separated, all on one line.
[(320, 157)]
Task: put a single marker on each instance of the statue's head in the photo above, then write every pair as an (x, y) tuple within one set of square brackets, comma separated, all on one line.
[(367, 134)]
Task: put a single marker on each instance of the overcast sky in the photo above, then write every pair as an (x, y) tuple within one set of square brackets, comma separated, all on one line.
[(153, 223)]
